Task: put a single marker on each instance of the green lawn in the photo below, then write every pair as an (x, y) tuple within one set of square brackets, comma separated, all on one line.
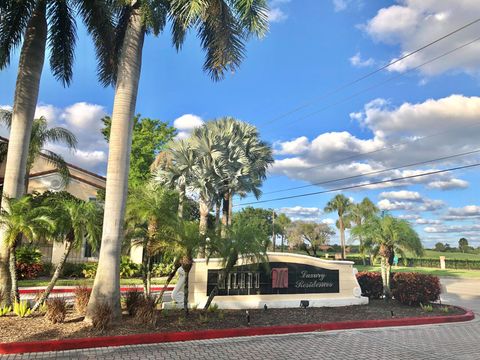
[(470, 274), (87, 282)]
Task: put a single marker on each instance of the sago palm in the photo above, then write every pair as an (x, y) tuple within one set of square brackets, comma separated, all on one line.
[(223, 27), (36, 24), (23, 219), (42, 135), (74, 221), (388, 236), (341, 205)]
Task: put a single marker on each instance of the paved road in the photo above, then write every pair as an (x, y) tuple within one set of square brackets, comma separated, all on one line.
[(447, 341)]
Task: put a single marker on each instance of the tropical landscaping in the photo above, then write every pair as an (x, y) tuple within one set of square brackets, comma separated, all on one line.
[(173, 199)]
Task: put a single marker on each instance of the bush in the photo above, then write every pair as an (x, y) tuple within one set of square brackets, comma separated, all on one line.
[(145, 312), (89, 270), (22, 309), (162, 269), (71, 270), (371, 284), (415, 288), (56, 310), (28, 271), (102, 316), (132, 300), (47, 270), (28, 254), (82, 295), (128, 268)]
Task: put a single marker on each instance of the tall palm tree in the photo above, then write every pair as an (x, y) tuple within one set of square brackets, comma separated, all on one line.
[(40, 136), (151, 223), (341, 205), (387, 236), (74, 221), (24, 219), (223, 27), (358, 214), (33, 24), (243, 239)]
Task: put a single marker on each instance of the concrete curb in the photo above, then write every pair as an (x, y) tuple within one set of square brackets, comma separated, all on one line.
[(137, 339)]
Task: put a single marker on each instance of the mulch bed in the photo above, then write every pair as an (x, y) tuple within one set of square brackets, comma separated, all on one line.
[(13, 329)]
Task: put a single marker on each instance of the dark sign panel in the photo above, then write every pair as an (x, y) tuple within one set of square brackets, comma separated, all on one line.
[(274, 278)]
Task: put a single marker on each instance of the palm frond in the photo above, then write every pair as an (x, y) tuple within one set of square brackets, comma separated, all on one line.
[(59, 134), (253, 15), (14, 19), (61, 39), (60, 164)]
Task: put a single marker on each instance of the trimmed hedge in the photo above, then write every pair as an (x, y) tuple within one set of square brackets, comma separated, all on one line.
[(408, 288), (415, 288)]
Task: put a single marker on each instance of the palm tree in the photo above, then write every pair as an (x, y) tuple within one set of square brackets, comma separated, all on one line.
[(74, 221), (24, 219), (40, 136), (341, 205), (387, 236), (151, 223), (243, 239), (223, 27), (37, 22), (359, 213)]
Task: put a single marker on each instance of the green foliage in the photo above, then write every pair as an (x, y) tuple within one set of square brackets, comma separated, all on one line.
[(28, 254), (213, 308), (4, 310), (445, 309), (427, 307), (309, 235), (128, 268), (162, 269), (440, 247), (261, 219), (148, 139), (89, 270), (463, 245), (72, 270), (22, 308)]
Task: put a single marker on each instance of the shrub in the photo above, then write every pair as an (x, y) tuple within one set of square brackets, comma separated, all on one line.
[(212, 308), (71, 270), (132, 300), (82, 295), (56, 310), (162, 269), (28, 254), (415, 288), (28, 271), (22, 309), (145, 312), (47, 269), (102, 316), (89, 270), (128, 268), (371, 284), (4, 310), (427, 307)]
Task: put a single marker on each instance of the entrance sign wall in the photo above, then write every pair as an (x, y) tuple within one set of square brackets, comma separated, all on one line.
[(282, 282)]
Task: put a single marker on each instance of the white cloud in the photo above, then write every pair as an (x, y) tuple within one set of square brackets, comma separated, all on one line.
[(463, 213), (329, 221), (294, 147), (410, 24), (461, 229), (448, 184), (357, 61), (340, 5), (422, 221), (276, 13), (185, 124), (413, 196), (417, 206), (301, 213)]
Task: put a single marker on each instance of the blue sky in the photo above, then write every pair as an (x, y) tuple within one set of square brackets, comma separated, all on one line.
[(312, 48)]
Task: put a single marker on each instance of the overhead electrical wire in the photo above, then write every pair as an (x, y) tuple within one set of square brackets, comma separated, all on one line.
[(353, 82), (349, 187)]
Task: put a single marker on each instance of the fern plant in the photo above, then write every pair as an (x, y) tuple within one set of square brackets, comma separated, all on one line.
[(22, 309)]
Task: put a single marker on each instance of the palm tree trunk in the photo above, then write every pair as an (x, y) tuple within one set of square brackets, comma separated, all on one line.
[(185, 291), (342, 237), (385, 278), (218, 206), (181, 201), (203, 227), (56, 275), (225, 209), (106, 287), (14, 295), (230, 207), (30, 67), (167, 282)]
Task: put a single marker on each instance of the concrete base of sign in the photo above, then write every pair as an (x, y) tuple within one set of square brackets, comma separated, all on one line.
[(335, 281)]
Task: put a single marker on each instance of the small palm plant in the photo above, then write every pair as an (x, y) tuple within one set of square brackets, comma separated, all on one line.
[(386, 236), (74, 221), (242, 239), (24, 220)]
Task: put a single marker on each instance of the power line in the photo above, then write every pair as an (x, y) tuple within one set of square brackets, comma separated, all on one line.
[(375, 172), (362, 185), (350, 83)]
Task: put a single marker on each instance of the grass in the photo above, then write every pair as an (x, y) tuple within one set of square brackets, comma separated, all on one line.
[(86, 282), (468, 274)]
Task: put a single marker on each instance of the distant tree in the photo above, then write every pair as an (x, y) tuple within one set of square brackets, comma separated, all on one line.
[(342, 206), (282, 222), (309, 235), (148, 139), (463, 245), (262, 219), (440, 247)]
